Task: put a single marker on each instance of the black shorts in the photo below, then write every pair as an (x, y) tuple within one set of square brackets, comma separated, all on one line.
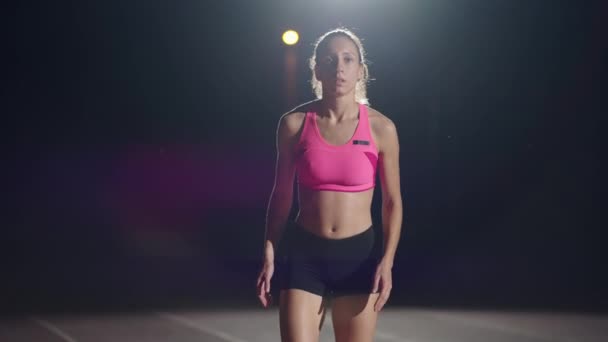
[(327, 266)]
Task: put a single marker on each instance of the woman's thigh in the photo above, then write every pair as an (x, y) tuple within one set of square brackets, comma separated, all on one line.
[(354, 318), (301, 315)]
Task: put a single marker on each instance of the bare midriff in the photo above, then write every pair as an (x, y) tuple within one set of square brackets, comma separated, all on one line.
[(334, 214)]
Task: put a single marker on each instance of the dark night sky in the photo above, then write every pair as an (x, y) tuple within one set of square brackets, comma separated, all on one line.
[(140, 144)]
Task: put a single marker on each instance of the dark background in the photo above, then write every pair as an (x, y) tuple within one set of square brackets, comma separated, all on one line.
[(139, 148)]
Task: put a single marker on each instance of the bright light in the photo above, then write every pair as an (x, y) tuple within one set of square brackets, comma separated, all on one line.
[(290, 37)]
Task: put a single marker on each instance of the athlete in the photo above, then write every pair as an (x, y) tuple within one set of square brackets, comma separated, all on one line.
[(333, 148)]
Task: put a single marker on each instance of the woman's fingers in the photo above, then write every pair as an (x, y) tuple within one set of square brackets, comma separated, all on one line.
[(268, 299), (377, 278), (263, 290), (376, 283), (261, 294), (265, 298), (263, 286), (383, 297), (267, 282)]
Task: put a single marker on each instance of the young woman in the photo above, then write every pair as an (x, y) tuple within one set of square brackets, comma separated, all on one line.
[(334, 146)]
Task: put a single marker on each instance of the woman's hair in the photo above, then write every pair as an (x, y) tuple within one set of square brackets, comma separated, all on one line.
[(321, 44)]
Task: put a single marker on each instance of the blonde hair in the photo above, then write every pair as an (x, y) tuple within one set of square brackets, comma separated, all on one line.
[(321, 43)]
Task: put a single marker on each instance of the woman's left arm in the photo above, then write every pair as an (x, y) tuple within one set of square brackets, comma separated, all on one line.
[(392, 207)]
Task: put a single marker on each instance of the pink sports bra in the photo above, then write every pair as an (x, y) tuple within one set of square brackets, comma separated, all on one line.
[(349, 167)]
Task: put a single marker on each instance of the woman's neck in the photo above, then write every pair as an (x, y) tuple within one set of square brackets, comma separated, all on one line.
[(339, 108)]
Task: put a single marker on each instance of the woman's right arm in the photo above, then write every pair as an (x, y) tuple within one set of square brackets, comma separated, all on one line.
[(281, 199)]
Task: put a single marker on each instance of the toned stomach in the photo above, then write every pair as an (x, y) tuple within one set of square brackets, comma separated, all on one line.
[(333, 214)]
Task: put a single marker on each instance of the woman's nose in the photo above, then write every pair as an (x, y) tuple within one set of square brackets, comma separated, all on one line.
[(339, 66)]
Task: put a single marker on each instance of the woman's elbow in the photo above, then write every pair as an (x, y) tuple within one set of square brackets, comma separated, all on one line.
[(392, 202), (281, 197)]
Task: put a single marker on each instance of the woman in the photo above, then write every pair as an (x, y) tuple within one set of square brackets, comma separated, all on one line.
[(335, 145)]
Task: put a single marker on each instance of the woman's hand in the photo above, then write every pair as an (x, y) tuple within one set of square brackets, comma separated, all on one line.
[(263, 284), (383, 282)]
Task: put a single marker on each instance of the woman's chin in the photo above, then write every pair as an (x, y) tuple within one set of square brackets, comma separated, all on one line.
[(339, 92)]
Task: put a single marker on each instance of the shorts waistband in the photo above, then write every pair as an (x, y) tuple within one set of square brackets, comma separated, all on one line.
[(299, 229)]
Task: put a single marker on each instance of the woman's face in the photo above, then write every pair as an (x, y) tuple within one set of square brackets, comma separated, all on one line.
[(338, 67)]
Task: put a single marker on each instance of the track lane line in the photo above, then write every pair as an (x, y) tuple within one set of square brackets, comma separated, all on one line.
[(54, 329), (201, 327)]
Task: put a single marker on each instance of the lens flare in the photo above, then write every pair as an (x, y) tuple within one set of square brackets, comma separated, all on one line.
[(290, 37)]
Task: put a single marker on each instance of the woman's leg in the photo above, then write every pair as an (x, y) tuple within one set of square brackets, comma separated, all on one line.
[(354, 318), (301, 315)]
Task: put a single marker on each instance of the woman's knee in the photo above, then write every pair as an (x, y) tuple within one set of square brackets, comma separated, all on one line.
[(354, 318), (301, 315)]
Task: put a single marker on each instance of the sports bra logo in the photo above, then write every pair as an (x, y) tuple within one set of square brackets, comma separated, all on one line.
[(360, 142)]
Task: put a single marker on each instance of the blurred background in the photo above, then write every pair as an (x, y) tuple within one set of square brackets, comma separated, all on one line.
[(139, 148)]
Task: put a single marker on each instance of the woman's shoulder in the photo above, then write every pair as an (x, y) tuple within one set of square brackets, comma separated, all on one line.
[(305, 107), (380, 123), (294, 119)]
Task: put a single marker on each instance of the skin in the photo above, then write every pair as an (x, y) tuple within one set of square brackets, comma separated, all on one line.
[(329, 214)]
